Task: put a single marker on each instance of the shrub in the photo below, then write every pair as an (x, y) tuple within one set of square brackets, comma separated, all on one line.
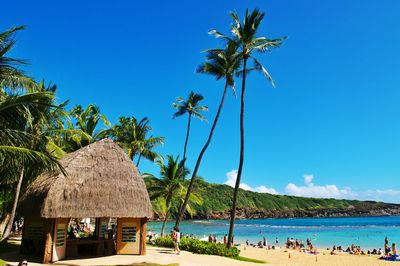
[(199, 247), (164, 242)]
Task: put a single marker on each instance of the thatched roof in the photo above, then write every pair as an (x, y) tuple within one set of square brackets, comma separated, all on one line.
[(101, 181)]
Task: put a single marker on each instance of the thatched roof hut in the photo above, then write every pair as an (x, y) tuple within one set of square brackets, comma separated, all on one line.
[(101, 181)]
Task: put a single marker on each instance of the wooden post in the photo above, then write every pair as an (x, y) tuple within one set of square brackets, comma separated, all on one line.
[(48, 248), (22, 248), (97, 229), (143, 226)]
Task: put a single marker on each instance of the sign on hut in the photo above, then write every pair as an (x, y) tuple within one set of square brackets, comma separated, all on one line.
[(101, 183)]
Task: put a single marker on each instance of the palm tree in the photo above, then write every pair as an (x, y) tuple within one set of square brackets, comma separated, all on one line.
[(222, 64), (53, 127), (82, 130), (173, 175), (192, 108), (23, 153), (245, 37), (132, 136), (10, 75)]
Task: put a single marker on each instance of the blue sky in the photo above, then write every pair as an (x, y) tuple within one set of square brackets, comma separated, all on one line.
[(330, 128)]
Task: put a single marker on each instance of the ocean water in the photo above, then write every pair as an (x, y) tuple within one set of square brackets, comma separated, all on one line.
[(367, 232)]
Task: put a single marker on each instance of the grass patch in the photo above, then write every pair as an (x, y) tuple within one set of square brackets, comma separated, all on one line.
[(249, 259), (151, 264), (9, 246), (2, 262)]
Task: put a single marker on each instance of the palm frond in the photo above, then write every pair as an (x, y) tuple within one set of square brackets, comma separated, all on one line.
[(260, 67)]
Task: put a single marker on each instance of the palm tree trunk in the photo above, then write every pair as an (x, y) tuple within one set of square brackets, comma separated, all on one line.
[(241, 159), (165, 220), (14, 208), (4, 222), (138, 161), (187, 136), (182, 210)]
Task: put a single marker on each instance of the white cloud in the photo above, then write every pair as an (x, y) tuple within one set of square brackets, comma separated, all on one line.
[(231, 181), (264, 189), (378, 192), (312, 190), (317, 191), (308, 179), (387, 195)]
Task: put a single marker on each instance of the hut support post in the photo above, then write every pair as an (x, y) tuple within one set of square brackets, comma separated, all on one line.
[(143, 225), (48, 247), (22, 248), (97, 228)]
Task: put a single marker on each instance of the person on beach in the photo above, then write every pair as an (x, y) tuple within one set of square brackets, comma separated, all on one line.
[(309, 244), (333, 252), (380, 252), (176, 238), (394, 252), (225, 239), (386, 246)]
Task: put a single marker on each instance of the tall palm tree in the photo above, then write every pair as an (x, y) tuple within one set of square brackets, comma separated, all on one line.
[(222, 64), (132, 136), (192, 108), (173, 175), (246, 39), (10, 74)]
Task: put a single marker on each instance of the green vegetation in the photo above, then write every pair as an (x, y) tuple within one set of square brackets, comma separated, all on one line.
[(132, 135), (24, 120), (170, 185), (199, 247), (218, 198), (82, 129)]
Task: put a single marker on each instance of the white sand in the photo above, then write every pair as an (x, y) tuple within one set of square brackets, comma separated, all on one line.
[(154, 255), (272, 257)]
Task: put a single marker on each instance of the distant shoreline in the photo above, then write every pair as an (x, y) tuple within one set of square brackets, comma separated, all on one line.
[(283, 217)]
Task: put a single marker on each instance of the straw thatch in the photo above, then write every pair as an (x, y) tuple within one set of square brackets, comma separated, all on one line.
[(101, 181)]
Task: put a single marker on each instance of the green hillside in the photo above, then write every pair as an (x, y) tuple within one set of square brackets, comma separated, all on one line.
[(217, 200)]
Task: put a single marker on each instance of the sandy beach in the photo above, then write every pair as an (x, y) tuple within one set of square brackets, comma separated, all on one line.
[(292, 257), (271, 257)]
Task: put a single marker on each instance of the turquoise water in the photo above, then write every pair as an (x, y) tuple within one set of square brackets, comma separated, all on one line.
[(367, 232)]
